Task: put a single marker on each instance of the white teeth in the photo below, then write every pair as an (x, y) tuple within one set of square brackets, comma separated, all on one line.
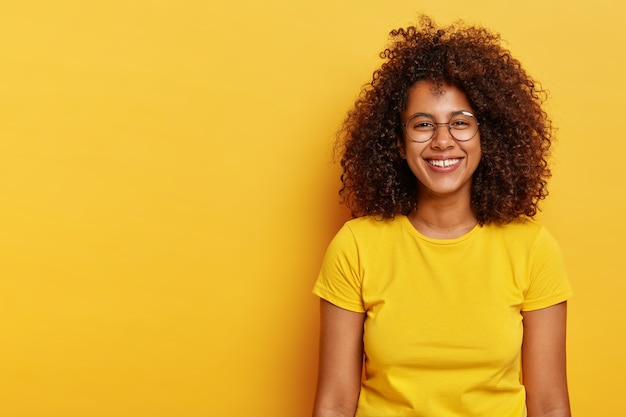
[(443, 162)]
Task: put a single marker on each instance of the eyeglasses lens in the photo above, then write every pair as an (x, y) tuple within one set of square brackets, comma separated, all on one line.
[(462, 126)]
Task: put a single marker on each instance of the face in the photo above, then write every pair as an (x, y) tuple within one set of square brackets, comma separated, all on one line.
[(443, 166)]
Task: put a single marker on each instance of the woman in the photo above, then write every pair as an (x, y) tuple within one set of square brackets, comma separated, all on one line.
[(443, 297)]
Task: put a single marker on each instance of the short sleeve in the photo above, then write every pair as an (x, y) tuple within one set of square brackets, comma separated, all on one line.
[(339, 281), (548, 283)]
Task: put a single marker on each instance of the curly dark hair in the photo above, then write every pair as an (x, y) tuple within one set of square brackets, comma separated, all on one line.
[(515, 132)]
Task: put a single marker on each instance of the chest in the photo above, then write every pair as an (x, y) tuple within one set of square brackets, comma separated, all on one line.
[(444, 308)]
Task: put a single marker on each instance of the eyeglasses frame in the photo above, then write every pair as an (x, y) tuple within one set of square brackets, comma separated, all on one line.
[(438, 124)]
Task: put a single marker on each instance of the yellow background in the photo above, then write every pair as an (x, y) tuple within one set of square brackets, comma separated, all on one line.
[(167, 192)]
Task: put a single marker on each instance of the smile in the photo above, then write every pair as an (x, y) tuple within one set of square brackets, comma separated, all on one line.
[(443, 163)]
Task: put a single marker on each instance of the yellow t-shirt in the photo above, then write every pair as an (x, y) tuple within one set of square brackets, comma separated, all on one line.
[(443, 329)]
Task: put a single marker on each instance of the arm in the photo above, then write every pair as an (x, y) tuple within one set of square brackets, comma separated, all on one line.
[(340, 361), (543, 362)]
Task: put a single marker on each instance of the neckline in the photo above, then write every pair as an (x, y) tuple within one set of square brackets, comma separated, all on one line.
[(408, 225)]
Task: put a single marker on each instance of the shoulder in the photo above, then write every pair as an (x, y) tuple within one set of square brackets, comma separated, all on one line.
[(370, 228), (368, 231), (520, 237), (526, 240), (520, 230)]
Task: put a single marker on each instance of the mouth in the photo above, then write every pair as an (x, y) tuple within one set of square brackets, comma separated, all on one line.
[(443, 163)]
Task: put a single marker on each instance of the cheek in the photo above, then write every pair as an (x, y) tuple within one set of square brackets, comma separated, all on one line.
[(477, 157), (475, 150), (413, 150), (405, 147)]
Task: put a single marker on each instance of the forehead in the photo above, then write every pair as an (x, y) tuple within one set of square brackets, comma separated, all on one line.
[(435, 98)]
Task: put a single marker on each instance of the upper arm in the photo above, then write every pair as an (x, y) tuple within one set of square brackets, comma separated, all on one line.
[(543, 361), (340, 361)]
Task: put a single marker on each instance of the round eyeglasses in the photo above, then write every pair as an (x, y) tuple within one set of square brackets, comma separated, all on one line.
[(421, 127)]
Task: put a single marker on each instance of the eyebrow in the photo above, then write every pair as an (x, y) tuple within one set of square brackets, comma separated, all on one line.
[(462, 111)]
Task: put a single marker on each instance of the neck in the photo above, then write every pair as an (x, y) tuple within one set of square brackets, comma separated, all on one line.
[(443, 219)]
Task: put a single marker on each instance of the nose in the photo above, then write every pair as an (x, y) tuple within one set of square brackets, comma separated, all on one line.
[(442, 139)]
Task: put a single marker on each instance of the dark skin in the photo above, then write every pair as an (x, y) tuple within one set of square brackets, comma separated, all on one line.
[(341, 352), (341, 356), (515, 132), (444, 212)]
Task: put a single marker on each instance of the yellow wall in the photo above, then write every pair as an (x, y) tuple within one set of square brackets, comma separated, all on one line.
[(166, 193)]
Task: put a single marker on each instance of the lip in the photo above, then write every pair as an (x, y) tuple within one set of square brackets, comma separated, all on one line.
[(443, 165)]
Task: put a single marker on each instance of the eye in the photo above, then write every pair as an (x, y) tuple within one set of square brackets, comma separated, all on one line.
[(423, 125), (459, 123), (420, 124), (462, 122)]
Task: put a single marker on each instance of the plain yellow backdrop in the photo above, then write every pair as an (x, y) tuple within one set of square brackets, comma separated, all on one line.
[(167, 193)]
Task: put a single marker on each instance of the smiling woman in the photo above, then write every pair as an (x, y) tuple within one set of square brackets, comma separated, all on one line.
[(443, 163), (444, 289), (515, 132)]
